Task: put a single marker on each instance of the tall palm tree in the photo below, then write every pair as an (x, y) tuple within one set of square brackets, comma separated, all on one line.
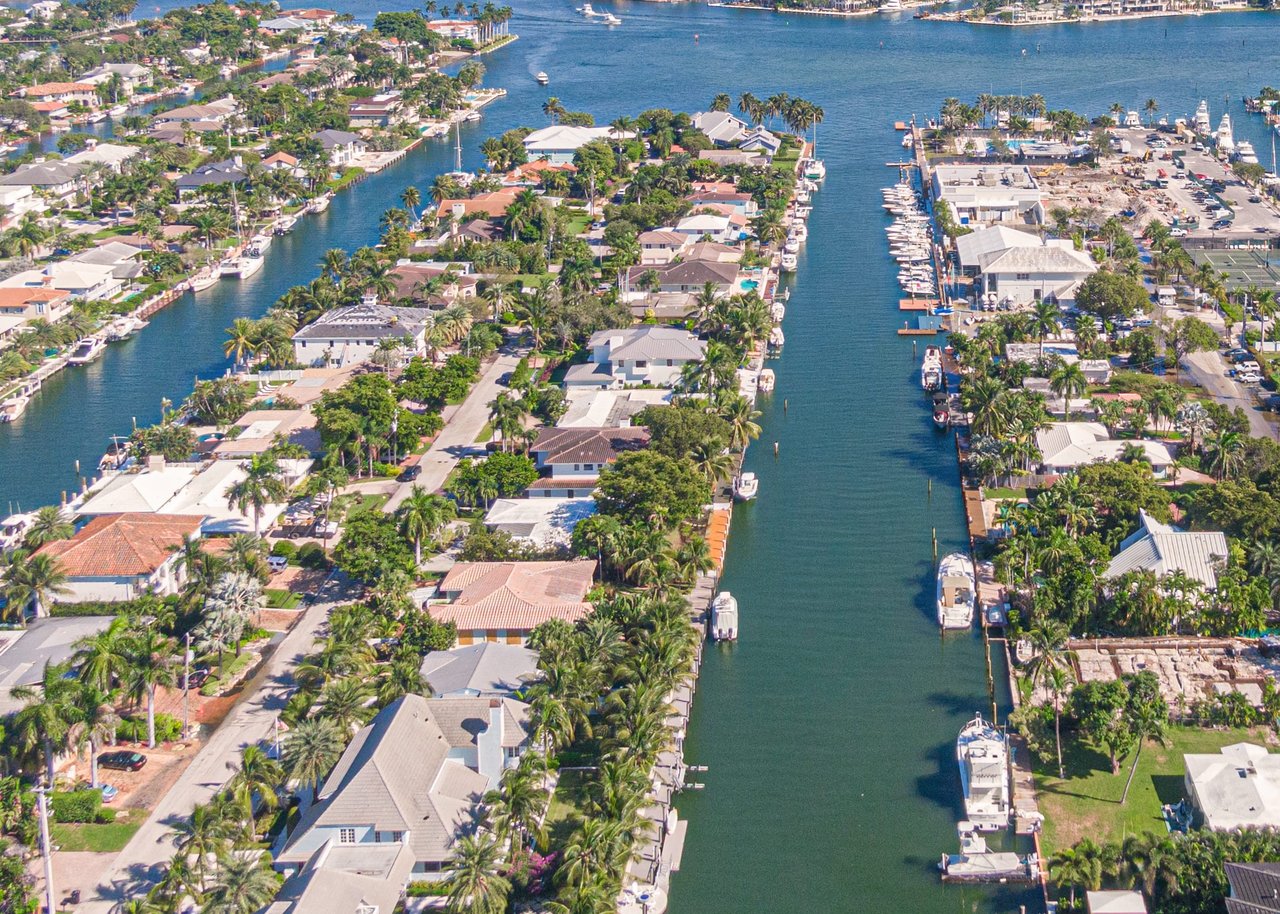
[(202, 837), (242, 340), (422, 516), (1044, 320), (262, 485), (1050, 667), (32, 579), (517, 807), (476, 884), (151, 665), (345, 702), (52, 710), (411, 197), (97, 725), (49, 524), (311, 750), (243, 884), (103, 658), (257, 780), (1146, 721), (1068, 382)]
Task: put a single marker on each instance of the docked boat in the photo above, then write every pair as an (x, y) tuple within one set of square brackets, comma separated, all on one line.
[(1245, 153), (242, 267), (542, 78), (118, 110), (767, 380), (204, 280), (285, 224), (941, 411), (13, 530), (777, 312), (792, 245), (86, 351), (800, 232), (724, 617), (472, 117), (982, 752), (789, 263), (956, 591), (14, 406), (1225, 138), (746, 487), (977, 863), (815, 170), (1201, 122), (931, 368), (802, 195), (125, 327), (320, 203), (776, 340), (258, 245)]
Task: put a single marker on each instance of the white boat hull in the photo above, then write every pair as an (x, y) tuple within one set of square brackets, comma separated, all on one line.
[(724, 617), (956, 594)]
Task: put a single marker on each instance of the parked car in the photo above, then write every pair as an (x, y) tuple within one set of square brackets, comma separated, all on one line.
[(109, 793), (1249, 377), (199, 675), (277, 562), (1221, 224), (409, 474), (122, 760)]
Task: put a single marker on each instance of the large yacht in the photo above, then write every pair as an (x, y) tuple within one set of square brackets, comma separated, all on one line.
[(956, 591), (983, 754)]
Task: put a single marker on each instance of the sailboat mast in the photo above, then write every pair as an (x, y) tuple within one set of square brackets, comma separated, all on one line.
[(457, 149)]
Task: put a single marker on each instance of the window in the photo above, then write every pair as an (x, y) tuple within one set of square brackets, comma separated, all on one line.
[(397, 837), (671, 363), (641, 363), (346, 836), (1023, 276)]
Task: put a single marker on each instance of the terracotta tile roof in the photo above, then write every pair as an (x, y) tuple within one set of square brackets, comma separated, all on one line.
[(491, 204), (515, 596), (54, 89), (280, 157), (48, 107), (122, 545), (12, 297), (587, 445)]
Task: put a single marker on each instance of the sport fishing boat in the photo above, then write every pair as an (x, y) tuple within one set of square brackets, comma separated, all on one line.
[(86, 351), (982, 751), (242, 267), (931, 368), (724, 617), (956, 591), (789, 263), (747, 487)]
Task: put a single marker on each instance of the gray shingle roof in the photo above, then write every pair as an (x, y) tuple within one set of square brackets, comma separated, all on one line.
[(483, 669), (330, 138), (587, 445), (650, 343), (365, 322), (461, 719), (1255, 888)]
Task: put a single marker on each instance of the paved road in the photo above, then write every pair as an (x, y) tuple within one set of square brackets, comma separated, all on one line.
[(1208, 370), (458, 439), (143, 859)]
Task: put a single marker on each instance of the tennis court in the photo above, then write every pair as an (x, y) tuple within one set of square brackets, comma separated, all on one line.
[(1244, 268)]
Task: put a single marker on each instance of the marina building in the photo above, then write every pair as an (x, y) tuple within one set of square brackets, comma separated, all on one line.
[(1047, 272), (505, 601), (1237, 788), (990, 193)]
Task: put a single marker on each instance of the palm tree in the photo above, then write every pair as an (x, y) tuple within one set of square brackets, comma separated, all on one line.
[(257, 779), (243, 884), (1078, 866), (475, 883), (51, 712), (262, 485), (516, 809), (1225, 452), (1146, 721), (97, 725), (48, 525), (507, 414), (1050, 667), (1068, 381), (311, 750), (151, 665), (203, 835), (422, 516), (1044, 320), (712, 461), (411, 197), (103, 658), (32, 579), (345, 702), (741, 416), (1151, 107), (242, 339)]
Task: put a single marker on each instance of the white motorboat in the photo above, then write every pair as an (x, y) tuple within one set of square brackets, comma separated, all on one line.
[(891, 6), (746, 487), (956, 591), (724, 617), (777, 312), (789, 263), (815, 170), (542, 78), (802, 195), (258, 243), (776, 340), (1224, 138), (975, 863), (320, 203), (125, 327), (791, 246), (97, 117), (767, 380), (610, 19), (1201, 123), (204, 280), (86, 351), (242, 267), (13, 530), (800, 232), (472, 116), (803, 212), (982, 751), (1245, 153), (285, 224), (14, 406), (118, 110)]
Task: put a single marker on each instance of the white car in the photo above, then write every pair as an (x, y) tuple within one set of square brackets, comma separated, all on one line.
[(1249, 378), (1177, 232)]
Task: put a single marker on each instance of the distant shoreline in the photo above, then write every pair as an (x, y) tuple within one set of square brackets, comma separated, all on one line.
[(1089, 20)]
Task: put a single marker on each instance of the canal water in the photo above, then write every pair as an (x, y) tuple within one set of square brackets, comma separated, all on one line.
[(829, 729)]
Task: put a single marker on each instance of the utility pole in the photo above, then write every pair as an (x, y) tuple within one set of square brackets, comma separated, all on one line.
[(42, 809), (186, 688)]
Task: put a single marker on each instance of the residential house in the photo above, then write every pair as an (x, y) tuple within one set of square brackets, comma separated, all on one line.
[(213, 174), (258, 429), (17, 200), (719, 227), (449, 29), (110, 155), (978, 248), (282, 161), (132, 76), (559, 143), (721, 127), (546, 523), (436, 284), (350, 335), (989, 193), (281, 25), (760, 141), (648, 355), (218, 110), (738, 201), (1238, 787), (1164, 550), (190, 134), (689, 276), (383, 110), (1067, 446), (532, 174), (348, 879), (494, 203), (318, 17), (63, 93), (572, 458), (341, 146), (591, 407), (662, 245), (401, 781), (1254, 888), (90, 281), (486, 669), (117, 557), (57, 181), (45, 9), (1048, 272), (125, 260), (505, 601), (733, 157), (25, 651), (712, 251), (481, 230), (1115, 901), (21, 305)]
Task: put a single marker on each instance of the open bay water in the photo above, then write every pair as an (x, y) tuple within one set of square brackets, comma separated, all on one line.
[(829, 729)]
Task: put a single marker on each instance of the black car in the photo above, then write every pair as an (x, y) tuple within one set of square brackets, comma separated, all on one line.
[(123, 760), (1221, 224), (409, 474)]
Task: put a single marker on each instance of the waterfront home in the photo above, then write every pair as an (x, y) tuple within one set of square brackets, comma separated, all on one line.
[(190, 134), (447, 283), (213, 174), (317, 16), (131, 76), (340, 146), (45, 9), (1239, 787), (401, 781), (978, 248), (349, 335), (481, 230), (486, 669), (123, 259), (715, 226), (16, 200), (1048, 272), (19, 306), (725, 157), (281, 25), (505, 601), (989, 193), (1067, 446), (572, 458), (90, 281), (557, 144), (738, 201), (217, 111), (383, 110), (1115, 901), (118, 557), (591, 407), (761, 141), (63, 93), (449, 29), (531, 174), (648, 355), (721, 127), (494, 203), (345, 879), (713, 251), (258, 429), (1164, 549), (1254, 888), (53, 181), (282, 161), (662, 245), (688, 276), (546, 523), (110, 155), (25, 651)]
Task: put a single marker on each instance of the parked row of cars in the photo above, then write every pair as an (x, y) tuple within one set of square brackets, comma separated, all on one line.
[(1245, 368)]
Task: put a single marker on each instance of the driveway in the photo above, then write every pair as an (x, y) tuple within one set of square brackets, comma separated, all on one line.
[(144, 858), (458, 438)]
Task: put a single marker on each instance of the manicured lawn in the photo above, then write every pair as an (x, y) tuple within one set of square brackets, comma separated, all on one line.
[(568, 805), (278, 598), (1087, 803), (367, 503), (486, 434), (578, 224), (98, 838), (1002, 493)]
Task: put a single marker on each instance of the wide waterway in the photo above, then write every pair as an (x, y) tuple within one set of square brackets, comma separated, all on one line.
[(829, 729)]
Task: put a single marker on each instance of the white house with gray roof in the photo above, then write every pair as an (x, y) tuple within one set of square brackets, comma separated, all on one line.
[(1047, 272), (489, 669), (417, 775), (721, 127), (1067, 446), (1164, 550), (637, 355), (347, 336)]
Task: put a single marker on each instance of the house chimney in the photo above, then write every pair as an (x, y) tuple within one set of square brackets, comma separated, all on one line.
[(489, 752)]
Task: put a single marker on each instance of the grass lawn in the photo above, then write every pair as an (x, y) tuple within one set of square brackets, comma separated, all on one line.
[(568, 806), (486, 434), (1087, 803), (99, 838), (278, 598), (368, 503), (1004, 493), (578, 224)]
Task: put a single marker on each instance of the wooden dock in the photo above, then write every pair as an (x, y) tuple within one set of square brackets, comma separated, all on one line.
[(917, 304)]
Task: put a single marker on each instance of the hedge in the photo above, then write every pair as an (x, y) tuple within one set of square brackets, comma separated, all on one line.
[(168, 728), (423, 888), (77, 805)]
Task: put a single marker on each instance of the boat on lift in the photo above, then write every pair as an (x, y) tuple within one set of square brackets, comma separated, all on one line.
[(976, 863)]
